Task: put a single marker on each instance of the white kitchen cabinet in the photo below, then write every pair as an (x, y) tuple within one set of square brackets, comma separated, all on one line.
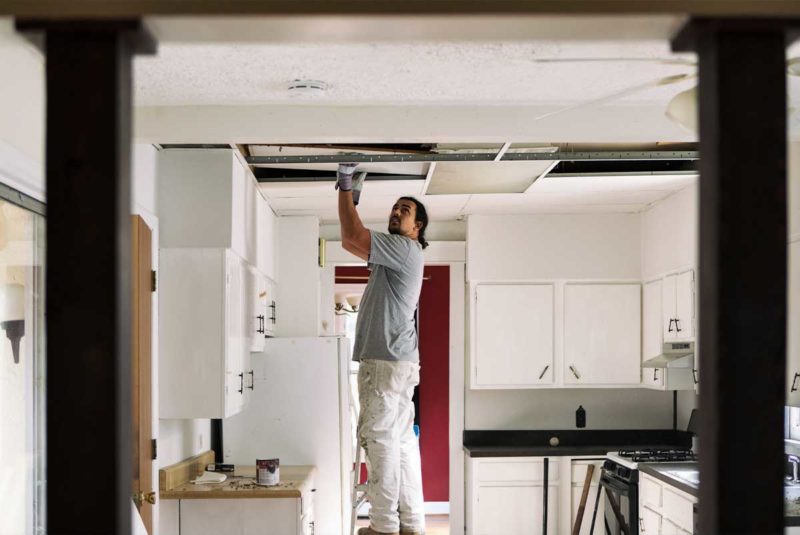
[(649, 521), (506, 495), (662, 504), (266, 238), (203, 340), (202, 200), (258, 313), (602, 334), (678, 307), (248, 516), (661, 299), (514, 336), (793, 328), (652, 338), (579, 469)]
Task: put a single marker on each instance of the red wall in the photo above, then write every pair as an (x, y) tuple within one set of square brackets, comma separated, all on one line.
[(434, 398)]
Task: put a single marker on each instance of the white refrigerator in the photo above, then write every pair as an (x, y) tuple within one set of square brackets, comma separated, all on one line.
[(299, 412)]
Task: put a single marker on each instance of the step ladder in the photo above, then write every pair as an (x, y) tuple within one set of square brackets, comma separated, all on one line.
[(359, 495)]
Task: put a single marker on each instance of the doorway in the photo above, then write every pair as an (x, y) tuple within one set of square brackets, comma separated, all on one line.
[(432, 395)]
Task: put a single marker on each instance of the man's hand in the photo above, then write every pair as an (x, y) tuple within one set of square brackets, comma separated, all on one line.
[(344, 176)]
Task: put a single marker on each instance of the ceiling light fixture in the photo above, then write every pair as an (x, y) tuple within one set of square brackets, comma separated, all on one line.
[(299, 87)]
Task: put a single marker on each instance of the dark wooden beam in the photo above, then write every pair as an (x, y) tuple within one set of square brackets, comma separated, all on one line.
[(88, 301), (742, 271)]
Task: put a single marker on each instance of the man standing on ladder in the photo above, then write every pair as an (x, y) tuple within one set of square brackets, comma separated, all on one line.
[(386, 346)]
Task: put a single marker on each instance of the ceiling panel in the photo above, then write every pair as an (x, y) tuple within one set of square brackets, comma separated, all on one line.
[(326, 190), (485, 177)]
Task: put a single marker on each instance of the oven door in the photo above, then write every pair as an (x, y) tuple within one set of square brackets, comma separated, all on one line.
[(621, 505)]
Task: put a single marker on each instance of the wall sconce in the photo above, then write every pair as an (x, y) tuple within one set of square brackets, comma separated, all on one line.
[(14, 324), (342, 308)]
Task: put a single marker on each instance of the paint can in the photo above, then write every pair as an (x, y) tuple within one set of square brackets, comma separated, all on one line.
[(268, 472)]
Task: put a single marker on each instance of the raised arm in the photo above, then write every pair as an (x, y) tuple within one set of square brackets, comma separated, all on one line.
[(355, 237)]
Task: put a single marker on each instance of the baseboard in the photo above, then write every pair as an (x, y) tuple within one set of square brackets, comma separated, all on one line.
[(21, 172), (431, 508)]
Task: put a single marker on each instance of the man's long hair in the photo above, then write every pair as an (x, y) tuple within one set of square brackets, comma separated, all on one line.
[(422, 217)]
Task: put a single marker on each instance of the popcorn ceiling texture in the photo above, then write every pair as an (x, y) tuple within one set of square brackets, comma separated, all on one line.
[(432, 73)]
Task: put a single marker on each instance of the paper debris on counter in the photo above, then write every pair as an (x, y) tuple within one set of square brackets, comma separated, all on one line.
[(210, 477)]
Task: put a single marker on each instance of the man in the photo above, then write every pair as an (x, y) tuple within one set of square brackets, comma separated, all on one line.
[(386, 346)]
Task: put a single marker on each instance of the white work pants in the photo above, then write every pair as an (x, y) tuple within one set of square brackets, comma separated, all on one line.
[(385, 431)]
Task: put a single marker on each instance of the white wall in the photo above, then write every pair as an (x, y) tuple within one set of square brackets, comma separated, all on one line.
[(529, 247), (298, 312), (669, 234), (436, 231)]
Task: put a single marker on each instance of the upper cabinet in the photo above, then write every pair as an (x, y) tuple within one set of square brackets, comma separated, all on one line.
[(514, 336), (204, 338), (678, 307), (208, 198), (267, 239), (602, 334), (652, 339)]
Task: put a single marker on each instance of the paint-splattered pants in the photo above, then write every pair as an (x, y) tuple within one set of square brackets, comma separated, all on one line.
[(386, 432)]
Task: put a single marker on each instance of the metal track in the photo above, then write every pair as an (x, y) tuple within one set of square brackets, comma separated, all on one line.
[(477, 157)]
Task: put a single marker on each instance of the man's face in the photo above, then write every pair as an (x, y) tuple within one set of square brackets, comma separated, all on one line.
[(402, 219)]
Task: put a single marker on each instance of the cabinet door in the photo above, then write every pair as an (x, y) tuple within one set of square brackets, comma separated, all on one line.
[(239, 516), (514, 510), (649, 522), (239, 209), (793, 328), (251, 218), (602, 334), (236, 333), (669, 290), (514, 335), (652, 343), (684, 306)]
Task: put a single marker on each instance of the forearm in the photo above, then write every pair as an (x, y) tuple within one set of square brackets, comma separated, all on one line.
[(349, 221)]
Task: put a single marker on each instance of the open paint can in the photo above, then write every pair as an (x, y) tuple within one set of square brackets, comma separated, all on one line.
[(268, 472)]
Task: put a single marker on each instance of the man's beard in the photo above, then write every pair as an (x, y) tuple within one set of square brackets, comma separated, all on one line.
[(395, 230)]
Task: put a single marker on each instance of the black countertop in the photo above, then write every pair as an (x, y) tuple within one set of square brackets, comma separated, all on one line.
[(571, 443)]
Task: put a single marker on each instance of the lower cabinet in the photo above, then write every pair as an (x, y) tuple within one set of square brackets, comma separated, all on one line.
[(248, 516), (664, 509), (506, 495)]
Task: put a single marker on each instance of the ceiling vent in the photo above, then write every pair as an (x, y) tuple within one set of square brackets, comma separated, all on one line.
[(307, 87)]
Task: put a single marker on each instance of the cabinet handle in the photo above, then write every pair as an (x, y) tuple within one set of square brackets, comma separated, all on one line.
[(641, 525), (655, 374), (274, 313), (252, 380), (678, 325), (241, 383), (794, 382), (575, 373), (694, 375), (670, 325), (543, 372)]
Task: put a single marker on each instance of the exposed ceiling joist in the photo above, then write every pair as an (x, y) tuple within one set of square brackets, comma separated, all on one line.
[(477, 157)]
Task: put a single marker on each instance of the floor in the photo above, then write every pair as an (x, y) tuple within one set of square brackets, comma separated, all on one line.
[(434, 524)]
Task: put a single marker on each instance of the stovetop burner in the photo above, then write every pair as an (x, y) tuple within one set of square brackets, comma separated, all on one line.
[(652, 455)]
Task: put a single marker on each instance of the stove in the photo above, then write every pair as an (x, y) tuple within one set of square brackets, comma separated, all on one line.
[(620, 480), (632, 458)]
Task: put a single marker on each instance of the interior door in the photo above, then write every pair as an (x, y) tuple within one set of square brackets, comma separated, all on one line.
[(141, 362)]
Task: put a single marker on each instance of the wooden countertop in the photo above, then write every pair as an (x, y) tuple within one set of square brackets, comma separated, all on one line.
[(295, 481)]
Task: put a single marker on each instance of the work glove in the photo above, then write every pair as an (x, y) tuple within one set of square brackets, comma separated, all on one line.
[(345, 180), (344, 176)]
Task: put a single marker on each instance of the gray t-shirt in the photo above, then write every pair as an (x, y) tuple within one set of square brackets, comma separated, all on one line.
[(385, 327)]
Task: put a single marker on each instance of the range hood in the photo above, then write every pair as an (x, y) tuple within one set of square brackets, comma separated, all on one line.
[(673, 355)]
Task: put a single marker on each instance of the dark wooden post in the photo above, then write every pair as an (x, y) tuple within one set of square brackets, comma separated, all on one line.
[(88, 137), (742, 271)]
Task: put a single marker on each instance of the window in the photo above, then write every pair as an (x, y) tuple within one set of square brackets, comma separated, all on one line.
[(22, 371)]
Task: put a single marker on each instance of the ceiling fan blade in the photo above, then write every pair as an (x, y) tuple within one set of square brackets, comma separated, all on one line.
[(662, 61), (667, 80)]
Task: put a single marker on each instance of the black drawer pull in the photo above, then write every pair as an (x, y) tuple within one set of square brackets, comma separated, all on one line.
[(543, 371), (794, 382)]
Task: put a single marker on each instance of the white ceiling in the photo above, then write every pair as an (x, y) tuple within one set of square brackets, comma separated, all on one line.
[(446, 92)]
